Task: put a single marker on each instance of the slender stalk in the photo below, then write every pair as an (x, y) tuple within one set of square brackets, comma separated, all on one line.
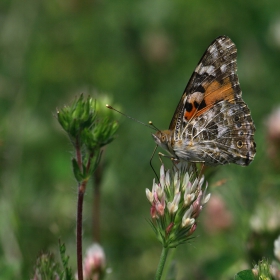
[(79, 223), (81, 192), (168, 263), (161, 263)]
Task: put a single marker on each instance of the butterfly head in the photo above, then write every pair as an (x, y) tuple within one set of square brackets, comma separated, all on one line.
[(163, 139)]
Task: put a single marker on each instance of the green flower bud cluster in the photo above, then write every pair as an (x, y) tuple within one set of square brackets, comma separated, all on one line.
[(89, 131)]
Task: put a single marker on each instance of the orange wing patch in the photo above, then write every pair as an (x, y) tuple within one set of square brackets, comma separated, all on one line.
[(193, 104), (188, 114), (199, 103), (216, 92)]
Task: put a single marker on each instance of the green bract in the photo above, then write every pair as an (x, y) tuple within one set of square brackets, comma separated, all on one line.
[(101, 134), (78, 116)]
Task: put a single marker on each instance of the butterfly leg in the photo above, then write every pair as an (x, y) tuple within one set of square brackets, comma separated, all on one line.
[(194, 169), (197, 171), (152, 164), (201, 170), (161, 155), (173, 159)]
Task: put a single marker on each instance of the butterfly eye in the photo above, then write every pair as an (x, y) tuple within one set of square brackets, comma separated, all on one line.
[(163, 138)]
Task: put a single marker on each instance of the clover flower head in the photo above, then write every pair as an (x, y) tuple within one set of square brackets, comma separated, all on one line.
[(176, 202), (94, 263)]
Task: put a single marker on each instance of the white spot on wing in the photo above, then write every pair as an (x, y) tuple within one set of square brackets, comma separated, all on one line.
[(205, 69), (223, 68), (212, 49), (196, 96)]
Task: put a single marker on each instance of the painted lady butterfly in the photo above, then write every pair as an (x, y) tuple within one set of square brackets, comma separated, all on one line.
[(212, 124)]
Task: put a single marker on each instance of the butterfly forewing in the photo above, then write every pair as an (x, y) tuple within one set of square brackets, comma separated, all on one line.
[(212, 123)]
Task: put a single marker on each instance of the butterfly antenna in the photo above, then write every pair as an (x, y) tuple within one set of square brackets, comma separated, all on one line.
[(153, 126), (151, 162), (129, 117)]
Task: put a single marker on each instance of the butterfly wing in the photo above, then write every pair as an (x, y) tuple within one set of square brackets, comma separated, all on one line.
[(211, 111)]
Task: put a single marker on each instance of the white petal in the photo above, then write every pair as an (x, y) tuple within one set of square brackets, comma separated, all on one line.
[(167, 179), (162, 176), (149, 195), (206, 199), (185, 181)]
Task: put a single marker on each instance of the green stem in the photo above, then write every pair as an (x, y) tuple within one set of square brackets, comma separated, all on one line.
[(161, 263)]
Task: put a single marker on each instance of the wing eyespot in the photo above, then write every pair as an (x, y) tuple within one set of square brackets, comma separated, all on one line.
[(239, 144), (236, 118)]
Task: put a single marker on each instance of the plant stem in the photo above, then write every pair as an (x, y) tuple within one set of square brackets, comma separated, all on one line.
[(161, 263), (81, 191)]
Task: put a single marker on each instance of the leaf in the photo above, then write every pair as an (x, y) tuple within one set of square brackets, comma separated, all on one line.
[(67, 270), (245, 275), (77, 172)]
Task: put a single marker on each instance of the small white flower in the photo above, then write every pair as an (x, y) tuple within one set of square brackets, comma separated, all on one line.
[(167, 179), (162, 176), (205, 197), (149, 195), (176, 180), (201, 181), (176, 183), (187, 220), (159, 191), (154, 186), (194, 185), (188, 198), (173, 206), (185, 181)]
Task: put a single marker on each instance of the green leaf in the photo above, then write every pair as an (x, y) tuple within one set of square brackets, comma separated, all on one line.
[(77, 172), (245, 275), (67, 270)]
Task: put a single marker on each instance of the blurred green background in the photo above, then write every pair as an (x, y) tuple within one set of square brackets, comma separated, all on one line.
[(140, 54)]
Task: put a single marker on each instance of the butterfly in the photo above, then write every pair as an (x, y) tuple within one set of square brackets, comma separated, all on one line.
[(212, 124)]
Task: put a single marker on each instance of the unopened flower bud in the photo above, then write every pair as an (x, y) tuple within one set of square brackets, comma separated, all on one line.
[(160, 206), (153, 211), (192, 230)]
